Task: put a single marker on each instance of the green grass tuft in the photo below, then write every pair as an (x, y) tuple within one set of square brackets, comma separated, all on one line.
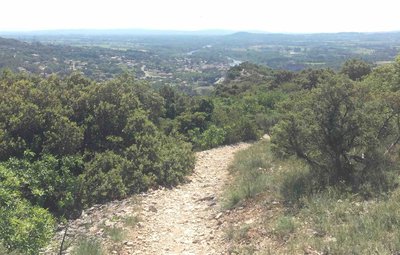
[(88, 246), (284, 226), (116, 234), (251, 176), (131, 221)]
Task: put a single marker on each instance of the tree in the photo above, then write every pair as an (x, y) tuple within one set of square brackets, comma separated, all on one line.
[(344, 132), (310, 78), (355, 69)]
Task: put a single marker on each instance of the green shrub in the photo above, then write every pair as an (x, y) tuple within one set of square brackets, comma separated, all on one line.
[(4, 251), (23, 227), (176, 160), (49, 182), (211, 137), (151, 161), (102, 178), (355, 69), (116, 234), (64, 137), (343, 132)]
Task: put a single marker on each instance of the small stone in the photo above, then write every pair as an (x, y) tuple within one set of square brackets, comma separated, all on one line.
[(206, 198), (212, 203), (128, 243), (330, 239), (152, 208), (114, 252), (218, 216), (248, 222), (108, 223), (266, 137)]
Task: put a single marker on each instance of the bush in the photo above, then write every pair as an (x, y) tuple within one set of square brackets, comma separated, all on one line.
[(72, 142), (102, 178), (341, 131), (151, 161), (23, 227), (49, 182), (211, 137), (176, 161)]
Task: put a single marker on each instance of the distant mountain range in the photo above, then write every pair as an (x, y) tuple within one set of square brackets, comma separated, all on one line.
[(119, 32), (208, 32)]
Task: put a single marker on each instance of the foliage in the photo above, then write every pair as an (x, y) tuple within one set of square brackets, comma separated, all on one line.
[(72, 142), (342, 131), (355, 69), (284, 226), (23, 227), (88, 246), (310, 78), (116, 234), (102, 179), (48, 182), (211, 137), (332, 221), (250, 169)]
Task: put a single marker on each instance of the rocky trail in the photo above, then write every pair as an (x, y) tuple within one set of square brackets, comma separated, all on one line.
[(183, 220)]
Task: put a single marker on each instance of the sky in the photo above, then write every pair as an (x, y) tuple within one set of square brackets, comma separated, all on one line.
[(288, 16)]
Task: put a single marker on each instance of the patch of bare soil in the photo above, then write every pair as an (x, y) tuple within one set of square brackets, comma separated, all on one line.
[(187, 219)]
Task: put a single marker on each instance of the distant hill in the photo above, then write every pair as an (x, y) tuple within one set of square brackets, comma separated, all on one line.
[(45, 59), (135, 32), (329, 37)]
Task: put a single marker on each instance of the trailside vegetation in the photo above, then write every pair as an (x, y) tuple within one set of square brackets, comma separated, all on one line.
[(328, 181), (69, 143)]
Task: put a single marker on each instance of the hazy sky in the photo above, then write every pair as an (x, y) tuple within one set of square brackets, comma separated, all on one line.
[(267, 15)]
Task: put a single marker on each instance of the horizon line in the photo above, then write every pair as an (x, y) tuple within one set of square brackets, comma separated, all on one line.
[(183, 31)]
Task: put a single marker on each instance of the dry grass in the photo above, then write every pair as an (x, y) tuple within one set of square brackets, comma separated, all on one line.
[(329, 221)]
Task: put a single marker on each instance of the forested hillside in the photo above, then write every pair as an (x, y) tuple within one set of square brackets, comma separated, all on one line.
[(193, 63)]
